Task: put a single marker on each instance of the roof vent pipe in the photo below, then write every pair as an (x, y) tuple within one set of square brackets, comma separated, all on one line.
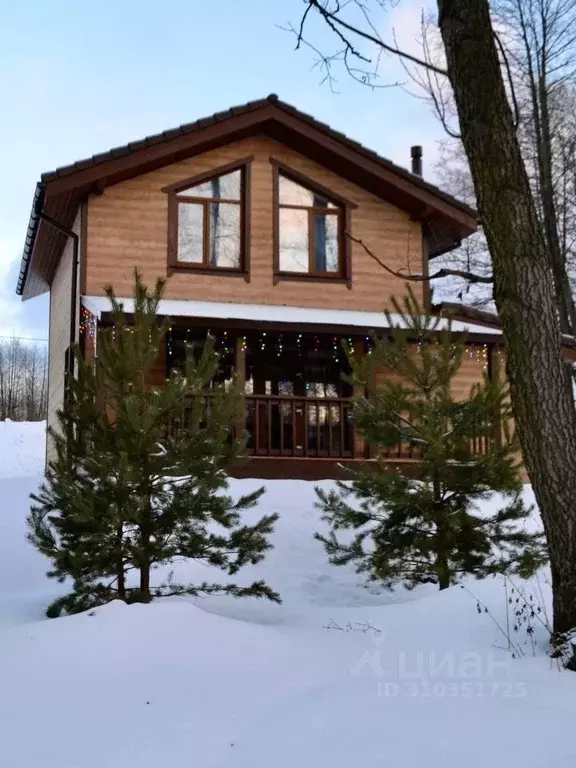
[(416, 154)]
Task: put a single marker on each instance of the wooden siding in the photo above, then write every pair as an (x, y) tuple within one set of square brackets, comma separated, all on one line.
[(59, 335), (157, 376), (127, 227), (471, 372)]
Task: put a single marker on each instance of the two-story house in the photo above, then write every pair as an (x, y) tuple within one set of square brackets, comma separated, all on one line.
[(259, 217)]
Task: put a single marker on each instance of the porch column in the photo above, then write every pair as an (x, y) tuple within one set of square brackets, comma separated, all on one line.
[(240, 368), (494, 374), (361, 447)]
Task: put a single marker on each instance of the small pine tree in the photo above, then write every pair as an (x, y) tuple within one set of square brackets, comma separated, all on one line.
[(125, 493), (427, 527)]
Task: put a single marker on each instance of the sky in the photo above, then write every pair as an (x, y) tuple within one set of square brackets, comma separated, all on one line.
[(79, 78)]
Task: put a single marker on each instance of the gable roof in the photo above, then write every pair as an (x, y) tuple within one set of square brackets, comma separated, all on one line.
[(59, 192)]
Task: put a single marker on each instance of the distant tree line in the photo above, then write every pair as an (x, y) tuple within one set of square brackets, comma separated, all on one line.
[(23, 381)]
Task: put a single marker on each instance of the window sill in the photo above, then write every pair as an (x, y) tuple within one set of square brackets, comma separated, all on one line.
[(305, 278), (225, 271)]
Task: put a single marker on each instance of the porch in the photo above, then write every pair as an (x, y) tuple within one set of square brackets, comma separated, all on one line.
[(297, 398), (298, 401), (293, 376)]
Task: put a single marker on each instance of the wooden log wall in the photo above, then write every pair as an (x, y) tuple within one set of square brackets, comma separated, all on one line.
[(127, 225)]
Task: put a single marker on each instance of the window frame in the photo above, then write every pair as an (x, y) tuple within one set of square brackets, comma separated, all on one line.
[(343, 210), (176, 195)]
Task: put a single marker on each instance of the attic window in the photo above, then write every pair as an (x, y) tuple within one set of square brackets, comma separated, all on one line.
[(208, 221), (310, 229)]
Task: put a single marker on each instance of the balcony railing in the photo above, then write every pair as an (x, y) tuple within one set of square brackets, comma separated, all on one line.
[(299, 426), (479, 445), (314, 427)]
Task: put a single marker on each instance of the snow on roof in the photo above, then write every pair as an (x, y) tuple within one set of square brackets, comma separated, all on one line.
[(271, 313)]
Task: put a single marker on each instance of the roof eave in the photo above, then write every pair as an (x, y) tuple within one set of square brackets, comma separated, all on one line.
[(32, 232)]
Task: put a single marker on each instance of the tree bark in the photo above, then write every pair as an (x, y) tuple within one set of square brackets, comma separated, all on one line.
[(144, 556), (120, 575), (524, 289), (546, 181), (441, 565), (145, 596)]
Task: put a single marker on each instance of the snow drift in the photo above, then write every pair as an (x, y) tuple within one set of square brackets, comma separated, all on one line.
[(337, 675)]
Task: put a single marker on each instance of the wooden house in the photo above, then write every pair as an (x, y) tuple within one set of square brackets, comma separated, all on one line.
[(261, 218)]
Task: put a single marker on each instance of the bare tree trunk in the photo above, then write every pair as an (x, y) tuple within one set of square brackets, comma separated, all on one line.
[(120, 573), (441, 564), (523, 285), (23, 381), (550, 219)]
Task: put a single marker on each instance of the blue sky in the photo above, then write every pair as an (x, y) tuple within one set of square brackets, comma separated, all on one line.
[(79, 78)]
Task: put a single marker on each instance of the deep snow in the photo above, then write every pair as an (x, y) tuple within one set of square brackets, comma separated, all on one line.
[(409, 679)]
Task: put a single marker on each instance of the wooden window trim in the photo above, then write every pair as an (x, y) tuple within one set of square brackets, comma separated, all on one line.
[(198, 178), (344, 275), (172, 190)]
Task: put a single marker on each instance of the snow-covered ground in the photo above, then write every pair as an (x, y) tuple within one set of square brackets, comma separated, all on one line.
[(337, 675)]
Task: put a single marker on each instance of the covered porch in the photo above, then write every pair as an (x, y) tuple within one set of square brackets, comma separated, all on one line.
[(293, 377), (295, 388)]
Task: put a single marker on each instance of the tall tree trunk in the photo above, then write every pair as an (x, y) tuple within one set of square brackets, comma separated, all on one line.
[(145, 596), (537, 52), (524, 289), (544, 149), (441, 565), (120, 574), (144, 555)]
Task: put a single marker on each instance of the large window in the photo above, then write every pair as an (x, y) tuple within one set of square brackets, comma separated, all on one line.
[(208, 220), (310, 228)]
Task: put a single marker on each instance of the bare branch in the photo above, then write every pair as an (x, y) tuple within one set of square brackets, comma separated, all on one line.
[(334, 22), (510, 80), (471, 277)]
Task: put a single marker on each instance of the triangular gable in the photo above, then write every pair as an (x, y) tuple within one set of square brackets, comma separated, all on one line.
[(447, 221)]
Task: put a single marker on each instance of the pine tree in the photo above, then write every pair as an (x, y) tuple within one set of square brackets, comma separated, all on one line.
[(126, 493), (428, 527)]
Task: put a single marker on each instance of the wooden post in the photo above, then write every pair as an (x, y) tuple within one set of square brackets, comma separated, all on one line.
[(360, 446), (494, 374), (240, 368)]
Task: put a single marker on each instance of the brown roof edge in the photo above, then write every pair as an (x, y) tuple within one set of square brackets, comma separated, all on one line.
[(458, 311), (252, 106), (272, 109), (31, 233)]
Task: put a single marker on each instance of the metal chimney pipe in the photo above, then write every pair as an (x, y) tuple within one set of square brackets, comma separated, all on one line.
[(416, 154)]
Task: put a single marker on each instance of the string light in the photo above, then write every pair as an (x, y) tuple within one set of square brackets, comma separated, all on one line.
[(301, 345), (88, 324), (335, 348), (479, 353)]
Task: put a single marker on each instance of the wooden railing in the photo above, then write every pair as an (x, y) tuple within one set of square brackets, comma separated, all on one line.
[(299, 426), (479, 446), (314, 427)]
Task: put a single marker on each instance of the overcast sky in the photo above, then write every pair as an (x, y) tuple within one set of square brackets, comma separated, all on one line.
[(79, 78)]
